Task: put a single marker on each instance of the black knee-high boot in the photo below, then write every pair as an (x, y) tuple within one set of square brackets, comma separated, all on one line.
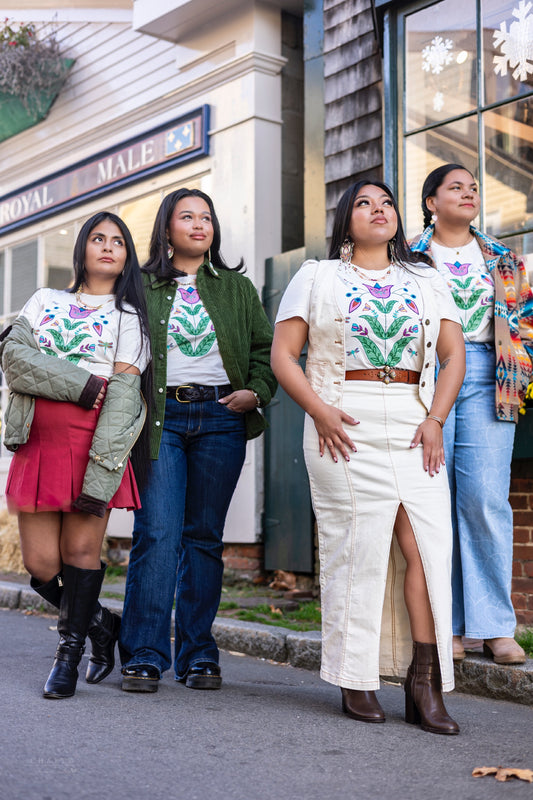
[(81, 588), (103, 634), (103, 629)]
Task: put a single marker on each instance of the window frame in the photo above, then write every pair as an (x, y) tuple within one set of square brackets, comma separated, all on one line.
[(395, 99)]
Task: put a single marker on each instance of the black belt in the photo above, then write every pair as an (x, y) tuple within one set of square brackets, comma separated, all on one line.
[(191, 392)]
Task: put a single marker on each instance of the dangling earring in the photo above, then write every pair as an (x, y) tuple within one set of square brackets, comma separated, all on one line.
[(434, 218), (390, 246), (170, 251), (209, 255), (346, 251)]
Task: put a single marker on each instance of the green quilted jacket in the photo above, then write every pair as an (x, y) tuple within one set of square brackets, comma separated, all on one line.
[(244, 337), (30, 373)]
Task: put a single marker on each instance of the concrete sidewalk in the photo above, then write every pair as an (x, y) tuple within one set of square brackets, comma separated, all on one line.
[(475, 675)]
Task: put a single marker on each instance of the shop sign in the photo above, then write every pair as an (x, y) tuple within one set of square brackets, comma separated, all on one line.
[(165, 147)]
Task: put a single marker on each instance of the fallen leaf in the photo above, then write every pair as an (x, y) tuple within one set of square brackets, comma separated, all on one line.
[(283, 580), (274, 610), (503, 774)]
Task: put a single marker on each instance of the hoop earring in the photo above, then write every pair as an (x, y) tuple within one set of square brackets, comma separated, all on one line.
[(170, 251), (434, 218), (346, 251)]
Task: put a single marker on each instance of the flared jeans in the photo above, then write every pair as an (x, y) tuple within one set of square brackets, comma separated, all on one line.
[(177, 538), (478, 450)]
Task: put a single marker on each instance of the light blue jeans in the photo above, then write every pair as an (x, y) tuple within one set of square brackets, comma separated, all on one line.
[(478, 450)]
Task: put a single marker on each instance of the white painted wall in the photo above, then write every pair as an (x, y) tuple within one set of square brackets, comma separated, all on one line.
[(124, 83)]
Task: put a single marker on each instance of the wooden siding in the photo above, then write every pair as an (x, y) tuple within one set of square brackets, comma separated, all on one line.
[(353, 98), (117, 73)]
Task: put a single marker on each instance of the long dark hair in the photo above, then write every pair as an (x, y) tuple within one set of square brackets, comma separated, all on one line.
[(127, 288), (399, 250), (432, 183), (158, 261)]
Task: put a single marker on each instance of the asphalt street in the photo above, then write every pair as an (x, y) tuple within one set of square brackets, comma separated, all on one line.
[(273, 731)]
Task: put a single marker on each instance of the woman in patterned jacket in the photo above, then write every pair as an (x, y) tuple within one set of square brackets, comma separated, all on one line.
[(73, 361), (374, 318), (489, 287)]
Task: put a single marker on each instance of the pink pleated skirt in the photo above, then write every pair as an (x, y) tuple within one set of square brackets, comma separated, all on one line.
[(46, 473)]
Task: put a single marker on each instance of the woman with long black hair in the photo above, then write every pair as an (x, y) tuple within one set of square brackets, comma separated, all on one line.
[(374, 318), (211, 342), (73, 361)]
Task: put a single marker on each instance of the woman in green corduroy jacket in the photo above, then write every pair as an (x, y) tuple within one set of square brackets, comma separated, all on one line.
[(211, 348)]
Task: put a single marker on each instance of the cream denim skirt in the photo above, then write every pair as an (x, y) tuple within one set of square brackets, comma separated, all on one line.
[(365, 626)]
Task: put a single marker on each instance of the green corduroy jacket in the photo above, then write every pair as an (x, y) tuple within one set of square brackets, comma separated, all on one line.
[(243, 332)]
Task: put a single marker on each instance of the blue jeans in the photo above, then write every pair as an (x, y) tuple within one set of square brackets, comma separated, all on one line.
[(478, 450), (177, 538)]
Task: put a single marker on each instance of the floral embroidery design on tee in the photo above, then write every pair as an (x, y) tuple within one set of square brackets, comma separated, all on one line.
[(473, 295), (389, 326), (68, 334), (190, 327)]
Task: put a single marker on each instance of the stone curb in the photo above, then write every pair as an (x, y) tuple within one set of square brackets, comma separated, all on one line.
[(475, 675)]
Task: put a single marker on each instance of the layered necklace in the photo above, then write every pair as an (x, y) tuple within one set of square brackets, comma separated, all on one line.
[(350, 268), (364, 272), (82, 304)]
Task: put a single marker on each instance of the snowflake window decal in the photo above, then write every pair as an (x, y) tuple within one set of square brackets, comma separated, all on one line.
[(437, 55), (515, 44), (438, 101)]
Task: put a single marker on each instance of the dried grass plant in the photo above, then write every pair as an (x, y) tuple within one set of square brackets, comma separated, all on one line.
[(10, 555), (30, 67)]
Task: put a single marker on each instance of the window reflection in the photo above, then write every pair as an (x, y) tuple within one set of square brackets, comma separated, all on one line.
[(441, 61), (509, 167), (58, 248), (139, 216), (441, 68), (455, 143), (507, 27)]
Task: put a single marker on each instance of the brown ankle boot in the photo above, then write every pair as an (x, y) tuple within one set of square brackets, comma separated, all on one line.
[(423, 697), (362, 705)]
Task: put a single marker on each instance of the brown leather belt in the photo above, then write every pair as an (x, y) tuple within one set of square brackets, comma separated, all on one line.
[(385, 375)]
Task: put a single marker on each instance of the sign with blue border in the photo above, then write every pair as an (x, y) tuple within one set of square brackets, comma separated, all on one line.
[(164, 147)]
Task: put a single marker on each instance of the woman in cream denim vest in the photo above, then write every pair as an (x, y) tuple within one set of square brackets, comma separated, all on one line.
[(374, 318)]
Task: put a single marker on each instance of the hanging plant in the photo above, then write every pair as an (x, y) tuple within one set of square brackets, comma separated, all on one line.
[(31, 69)]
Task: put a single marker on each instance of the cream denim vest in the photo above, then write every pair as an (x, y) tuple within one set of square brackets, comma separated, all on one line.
[(326, 359)]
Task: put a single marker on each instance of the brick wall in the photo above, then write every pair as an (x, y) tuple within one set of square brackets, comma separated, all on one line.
[(522, 503), (247, 560)]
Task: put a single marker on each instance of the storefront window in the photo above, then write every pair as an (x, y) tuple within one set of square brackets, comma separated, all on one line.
[(427, 150), (2, 279), (440, 63), (139, 216), (24, 259), (508, 157), (507, 30), (58, 247), (450, 115)]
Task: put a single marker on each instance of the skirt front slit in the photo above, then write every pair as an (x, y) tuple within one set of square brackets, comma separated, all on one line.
[(365, 626)]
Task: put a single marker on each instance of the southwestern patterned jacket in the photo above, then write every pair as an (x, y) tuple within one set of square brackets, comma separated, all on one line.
[(513, 320)]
